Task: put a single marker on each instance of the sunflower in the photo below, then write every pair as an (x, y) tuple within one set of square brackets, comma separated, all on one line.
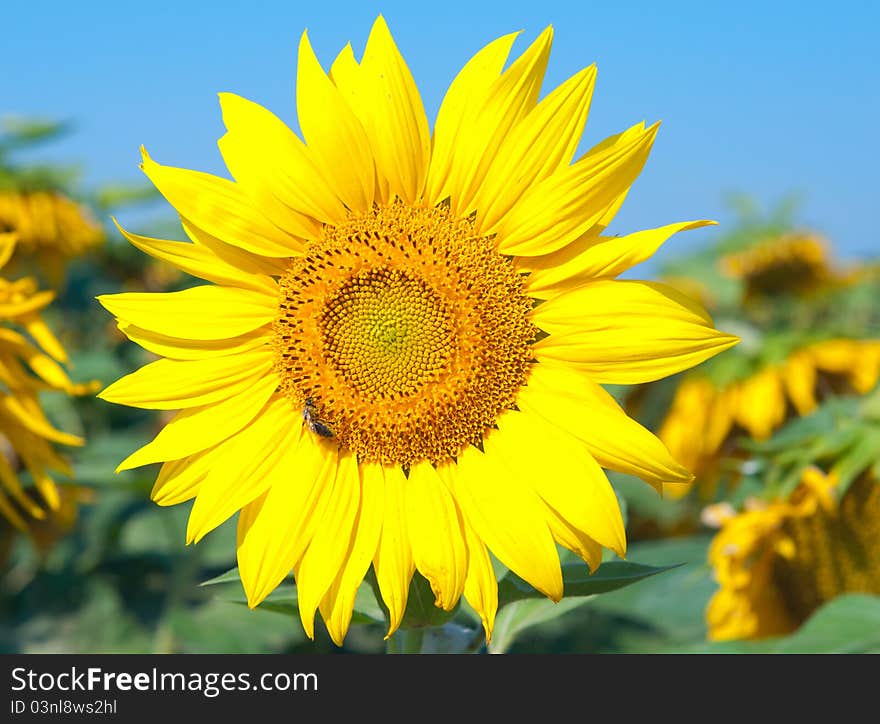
[(796, 263), (760, 403), (52, 524), (51, 228), (778, 561), (30, 362), (371, 378)]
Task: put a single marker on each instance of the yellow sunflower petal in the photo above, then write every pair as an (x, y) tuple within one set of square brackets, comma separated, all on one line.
[(37, 453), (434, 525), (243, 471), (27, 305), (199, 261), (468, 88), (348, 76), (9, 483), (206, 313), (27, 413), (507, 516), (46, 486), (272, 539), (563, 534), (618, 140), (8, 511), (506, 101), (857, 360), (481, 586), (799, 378), (43, 365), (195, 349), (330, 546), (282, 167), (536, 147), (866, 371), (834, 355), (175, 385), (338, 603), (198, 428), (625, 332), (723, 410), (761, 403), (335, 137), (179, 480), (565, 475), (564, 206), (390, 108), (247, 517), (43, 336), (247, 261), (572, 402), (594, 258), (7, 247), (393, 562), (251, 178), (221, 208), (344, 73), (575, 540)]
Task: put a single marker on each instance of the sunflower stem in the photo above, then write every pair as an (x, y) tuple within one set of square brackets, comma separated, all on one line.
[(450, 638), (405, 641)]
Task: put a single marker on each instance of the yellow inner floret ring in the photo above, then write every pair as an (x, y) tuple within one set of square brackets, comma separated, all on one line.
[(387, 333)]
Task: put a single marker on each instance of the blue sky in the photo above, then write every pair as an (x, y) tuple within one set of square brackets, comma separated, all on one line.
[(767, 98)]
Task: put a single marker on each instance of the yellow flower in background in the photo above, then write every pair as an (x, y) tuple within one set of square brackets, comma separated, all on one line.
[(399, 360), (30, 362), (844, 365), (704, 419), (52, 525), (796, 263), (778, 561), (50, 227)]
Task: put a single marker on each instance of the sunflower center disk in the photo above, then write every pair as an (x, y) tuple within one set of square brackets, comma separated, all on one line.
[(835, 553), (406, 332), (387, 333)]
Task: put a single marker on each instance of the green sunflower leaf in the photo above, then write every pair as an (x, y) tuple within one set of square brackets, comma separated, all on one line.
[(799, 431), (857, 459), (517, 617), (848, 624), (661, 611), (579, 582), (231, 576), (284, 598)]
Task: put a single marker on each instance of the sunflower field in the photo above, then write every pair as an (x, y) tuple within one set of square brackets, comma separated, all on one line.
[(399, 382)]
